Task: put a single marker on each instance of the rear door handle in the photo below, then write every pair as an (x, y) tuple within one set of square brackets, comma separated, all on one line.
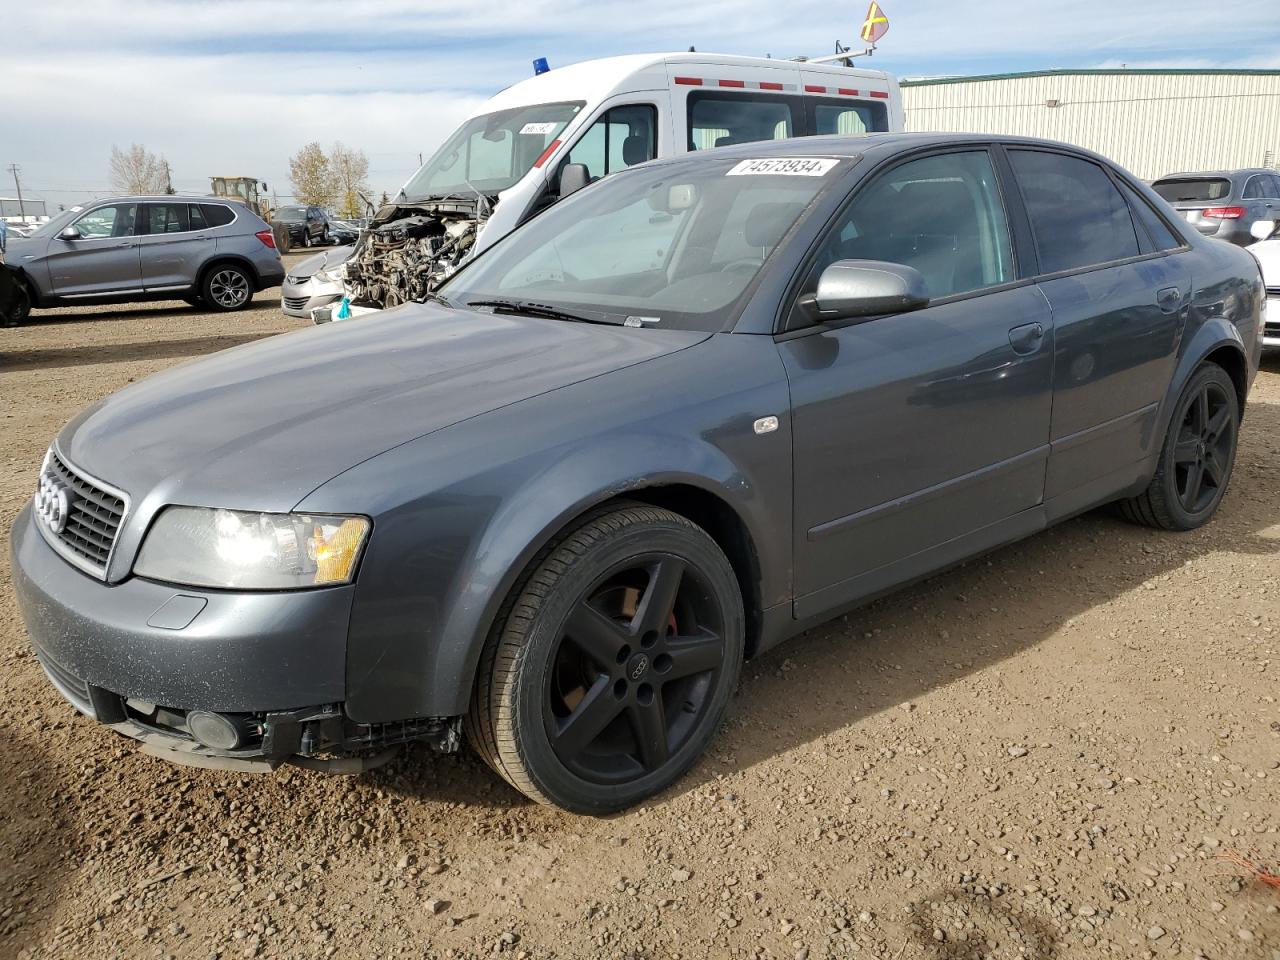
[(1170, 298), (1026, 338)]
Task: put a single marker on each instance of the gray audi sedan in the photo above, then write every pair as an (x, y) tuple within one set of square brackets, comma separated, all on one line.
[(682, 415)]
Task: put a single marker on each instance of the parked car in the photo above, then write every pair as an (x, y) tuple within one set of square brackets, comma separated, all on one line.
[(132, 249), (1267, 251), (1225, 203), (313, 282), (307, 226), (686, 413), (343, 232)]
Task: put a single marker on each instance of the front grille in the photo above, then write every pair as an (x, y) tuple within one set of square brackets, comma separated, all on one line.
[(295, 303), (92, 519), (1273, 292)]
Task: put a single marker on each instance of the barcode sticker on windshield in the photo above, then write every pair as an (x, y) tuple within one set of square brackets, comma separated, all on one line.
[(784, 166), (541, 128)]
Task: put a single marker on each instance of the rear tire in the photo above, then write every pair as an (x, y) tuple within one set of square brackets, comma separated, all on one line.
[(1197, 457), (17, 311), (227, 287), (611, 665)]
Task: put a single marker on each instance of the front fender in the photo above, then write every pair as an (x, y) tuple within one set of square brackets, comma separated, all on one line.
[(496, 489)]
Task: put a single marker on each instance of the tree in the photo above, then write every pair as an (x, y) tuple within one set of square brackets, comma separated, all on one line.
[(385, 199), (312, 176), (350, 170), (138, 171)]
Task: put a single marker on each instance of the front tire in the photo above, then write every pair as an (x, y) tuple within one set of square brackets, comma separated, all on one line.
[(1197, 457), (611, 666), (19, 308)]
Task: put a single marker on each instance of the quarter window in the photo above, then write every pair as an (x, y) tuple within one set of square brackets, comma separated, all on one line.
[(1253, 190), (216, 215), (112, 221), (621, 137), (1077, 215), (722, 119), (941, 215), (1161, 236)]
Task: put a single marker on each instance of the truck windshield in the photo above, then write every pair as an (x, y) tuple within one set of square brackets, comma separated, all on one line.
[(676, 245), (491, 152)]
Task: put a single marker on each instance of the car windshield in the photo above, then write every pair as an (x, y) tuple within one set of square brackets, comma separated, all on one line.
[(1193, 190), (54, 226), (493, 151), (675, 245), (291, 214)]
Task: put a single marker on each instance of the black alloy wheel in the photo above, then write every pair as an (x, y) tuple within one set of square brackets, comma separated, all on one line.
[(1205, 447), (1199, 452), (611, 668)]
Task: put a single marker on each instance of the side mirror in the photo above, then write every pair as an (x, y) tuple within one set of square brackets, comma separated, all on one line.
[(573, 177), (850, 289), (69, 233), (1263, 229)]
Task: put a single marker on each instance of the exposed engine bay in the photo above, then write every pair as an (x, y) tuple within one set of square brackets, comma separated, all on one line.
[(411, 248)]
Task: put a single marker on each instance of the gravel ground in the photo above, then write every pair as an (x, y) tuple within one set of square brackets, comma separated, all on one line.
[(1042, 754)]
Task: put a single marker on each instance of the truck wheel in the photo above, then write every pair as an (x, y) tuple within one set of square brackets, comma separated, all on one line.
[(610, 667)]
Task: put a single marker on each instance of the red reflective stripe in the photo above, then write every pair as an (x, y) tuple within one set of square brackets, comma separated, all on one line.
[(846, 92), (880, 94), (769, 85), (690, 81), (732, 83), (551, 148), (810, 88)]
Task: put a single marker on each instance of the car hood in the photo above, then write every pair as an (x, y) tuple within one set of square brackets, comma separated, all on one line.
[(260, 426), (329, 258)]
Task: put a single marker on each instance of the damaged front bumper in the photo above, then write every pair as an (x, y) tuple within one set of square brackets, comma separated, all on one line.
[(249, 681)]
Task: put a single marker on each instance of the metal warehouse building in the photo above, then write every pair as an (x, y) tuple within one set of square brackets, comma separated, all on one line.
[(1151, 121)]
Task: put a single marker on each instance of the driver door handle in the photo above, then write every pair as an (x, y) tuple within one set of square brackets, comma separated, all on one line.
[(1026, 338)]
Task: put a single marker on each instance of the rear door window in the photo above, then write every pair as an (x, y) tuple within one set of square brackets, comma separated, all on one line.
[(166, 218), (1078, 217), (721, 119), (195, 216), (1253, 190), (1193, 190)]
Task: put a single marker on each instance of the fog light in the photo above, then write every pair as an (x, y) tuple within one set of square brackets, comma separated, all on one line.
[(218, 731)]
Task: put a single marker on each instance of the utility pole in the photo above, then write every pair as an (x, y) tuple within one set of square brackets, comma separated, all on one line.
[(22, 210), (419, 159)]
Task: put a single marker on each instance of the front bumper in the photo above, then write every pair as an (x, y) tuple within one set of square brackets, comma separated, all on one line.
[(298, 297), (1271, 331)]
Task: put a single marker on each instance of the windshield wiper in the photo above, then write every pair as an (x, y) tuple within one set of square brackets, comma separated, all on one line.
[(531, 309)]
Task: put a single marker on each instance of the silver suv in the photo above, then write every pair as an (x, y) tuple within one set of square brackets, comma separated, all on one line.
[(1224, 203), (212, 252)]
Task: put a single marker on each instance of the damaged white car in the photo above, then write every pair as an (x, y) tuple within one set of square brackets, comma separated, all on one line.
[(563, 128)]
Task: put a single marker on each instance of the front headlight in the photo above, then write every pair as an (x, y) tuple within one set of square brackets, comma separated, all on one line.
[(332, 275), (232, 549)]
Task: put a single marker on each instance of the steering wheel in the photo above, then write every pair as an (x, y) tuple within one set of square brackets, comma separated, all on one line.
[(752, 263)]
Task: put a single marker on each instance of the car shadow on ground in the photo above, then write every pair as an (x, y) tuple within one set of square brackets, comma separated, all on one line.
[(53, 358), (899, 648), (95, 314), (35, 840)]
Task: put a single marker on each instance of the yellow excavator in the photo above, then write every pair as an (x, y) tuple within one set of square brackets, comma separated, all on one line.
[(252, 192)]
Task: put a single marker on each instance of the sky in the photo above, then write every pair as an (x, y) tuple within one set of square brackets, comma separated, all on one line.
[(235, 87)]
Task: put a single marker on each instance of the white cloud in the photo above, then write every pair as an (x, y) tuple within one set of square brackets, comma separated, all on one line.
[(236, 86)]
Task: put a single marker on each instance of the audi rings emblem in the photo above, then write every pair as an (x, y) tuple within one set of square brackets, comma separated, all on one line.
[(52, 503)]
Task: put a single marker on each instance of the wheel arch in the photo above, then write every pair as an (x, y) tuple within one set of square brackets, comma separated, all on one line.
[(220, 259), (1216, 341)]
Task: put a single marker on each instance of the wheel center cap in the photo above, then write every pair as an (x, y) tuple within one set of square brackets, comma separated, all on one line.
[(638, 666)]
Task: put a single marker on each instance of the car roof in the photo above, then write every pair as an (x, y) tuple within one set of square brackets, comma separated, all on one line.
[(856, 145), (164, 197), (1218, 174)]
